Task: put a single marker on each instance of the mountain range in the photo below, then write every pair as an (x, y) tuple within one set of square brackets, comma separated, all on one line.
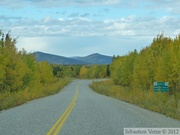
[(95, 58)]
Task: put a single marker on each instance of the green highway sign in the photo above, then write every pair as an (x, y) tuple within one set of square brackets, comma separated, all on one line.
[(161, 86)]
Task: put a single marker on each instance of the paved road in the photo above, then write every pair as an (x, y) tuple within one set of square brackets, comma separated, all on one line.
[(77, 110)]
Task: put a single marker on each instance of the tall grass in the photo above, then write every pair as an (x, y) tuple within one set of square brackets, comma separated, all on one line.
[(155, 101), (12, 99)]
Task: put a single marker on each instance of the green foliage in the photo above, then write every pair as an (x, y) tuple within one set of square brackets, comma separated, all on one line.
[(62, 71), (12, 99), (158, 62), (122, 69), (21, 77), (19, 70), (12, 67), (81, 71), (158, 102), (45, 72), (135, 73)]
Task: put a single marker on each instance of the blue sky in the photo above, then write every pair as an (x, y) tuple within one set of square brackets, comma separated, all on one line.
[(83, 27)]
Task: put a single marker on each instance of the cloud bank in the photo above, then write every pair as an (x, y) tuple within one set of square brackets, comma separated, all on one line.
[(89, 23)]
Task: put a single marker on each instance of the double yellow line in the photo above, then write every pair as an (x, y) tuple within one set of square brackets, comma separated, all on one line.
[(60, 122)]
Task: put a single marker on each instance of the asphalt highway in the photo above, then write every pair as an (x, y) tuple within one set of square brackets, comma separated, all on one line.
[(77, 110)]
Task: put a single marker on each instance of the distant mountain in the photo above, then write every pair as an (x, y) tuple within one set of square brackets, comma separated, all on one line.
[(55, 59), (90, 59), (95, 58)]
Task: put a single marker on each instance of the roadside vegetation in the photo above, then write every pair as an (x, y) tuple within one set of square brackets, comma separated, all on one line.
[(133, 76), (81, 71), (21, 77)]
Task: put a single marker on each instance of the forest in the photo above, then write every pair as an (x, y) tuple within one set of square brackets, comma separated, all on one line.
[(81, 71), (134, 74), (22, 78), (158, 62)]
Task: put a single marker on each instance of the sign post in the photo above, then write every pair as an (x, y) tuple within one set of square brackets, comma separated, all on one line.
[(161, 87)]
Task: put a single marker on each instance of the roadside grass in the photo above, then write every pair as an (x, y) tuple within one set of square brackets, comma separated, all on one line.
[(12, 99), (159, 102)]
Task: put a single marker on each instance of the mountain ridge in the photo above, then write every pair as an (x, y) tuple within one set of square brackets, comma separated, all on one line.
[(94, 58)]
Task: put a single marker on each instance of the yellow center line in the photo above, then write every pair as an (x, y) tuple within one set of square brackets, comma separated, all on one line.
[(60, 122)]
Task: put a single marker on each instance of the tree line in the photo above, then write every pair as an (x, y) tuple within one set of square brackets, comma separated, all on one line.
[(18, 69), (81, 71), (158, 62), (22, 78)]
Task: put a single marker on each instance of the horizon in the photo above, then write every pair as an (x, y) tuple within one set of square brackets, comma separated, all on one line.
[(80, 28), (73, 56)]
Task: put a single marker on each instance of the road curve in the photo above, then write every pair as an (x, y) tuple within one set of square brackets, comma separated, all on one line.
[(77, 110)]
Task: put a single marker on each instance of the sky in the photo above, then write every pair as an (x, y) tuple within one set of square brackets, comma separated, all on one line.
[(82, 27)]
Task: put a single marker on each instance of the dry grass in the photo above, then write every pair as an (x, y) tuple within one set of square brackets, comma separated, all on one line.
[(12, 99), (158, 102)]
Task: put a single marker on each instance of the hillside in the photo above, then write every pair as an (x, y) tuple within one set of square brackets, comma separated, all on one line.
[(90, 59), (95, 58)]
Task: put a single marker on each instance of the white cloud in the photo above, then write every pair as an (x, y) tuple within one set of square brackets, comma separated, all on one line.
[(60, 19), (171, 6), (88, 21), (82, 46), (129, 26), (32, 44)]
